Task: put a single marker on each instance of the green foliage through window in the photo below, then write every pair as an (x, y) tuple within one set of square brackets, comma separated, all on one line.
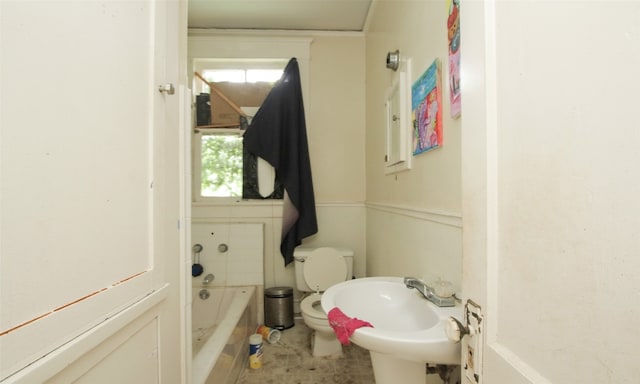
[(221, 168)]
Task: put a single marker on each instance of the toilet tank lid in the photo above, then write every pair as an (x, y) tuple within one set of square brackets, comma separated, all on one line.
[(301, 253)]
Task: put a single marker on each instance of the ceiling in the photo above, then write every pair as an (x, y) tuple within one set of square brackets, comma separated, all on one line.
[(317, 15)]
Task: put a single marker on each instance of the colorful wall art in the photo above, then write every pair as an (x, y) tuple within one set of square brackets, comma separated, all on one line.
[(426, 106), (453, 28)]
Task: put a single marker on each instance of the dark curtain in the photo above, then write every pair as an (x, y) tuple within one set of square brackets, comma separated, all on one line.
[(278, 134)]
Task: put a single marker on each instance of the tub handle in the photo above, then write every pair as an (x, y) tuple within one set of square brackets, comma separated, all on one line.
[(204, 294), (222, 248)]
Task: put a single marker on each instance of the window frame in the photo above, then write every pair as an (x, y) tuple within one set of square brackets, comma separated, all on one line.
[(197, 163), (212, 50), (217, 132), (223, 64)]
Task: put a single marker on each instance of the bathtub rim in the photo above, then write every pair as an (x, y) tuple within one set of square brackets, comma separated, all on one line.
[(205, 360)]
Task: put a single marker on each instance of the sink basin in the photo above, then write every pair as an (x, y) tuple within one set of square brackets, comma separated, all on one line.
[(406, 326)]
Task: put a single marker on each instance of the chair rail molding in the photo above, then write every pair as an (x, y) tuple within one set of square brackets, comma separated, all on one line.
[(453, 219)]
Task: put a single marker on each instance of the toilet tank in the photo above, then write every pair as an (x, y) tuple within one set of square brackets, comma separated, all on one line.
[(300, 254)]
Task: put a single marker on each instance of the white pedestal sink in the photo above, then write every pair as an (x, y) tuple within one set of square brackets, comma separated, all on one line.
[(408, 330)]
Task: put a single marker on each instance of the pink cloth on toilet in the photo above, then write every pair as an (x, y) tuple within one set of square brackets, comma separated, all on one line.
[(343, 325)]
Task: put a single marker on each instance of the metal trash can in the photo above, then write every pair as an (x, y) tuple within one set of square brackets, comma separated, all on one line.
[(278, 307)]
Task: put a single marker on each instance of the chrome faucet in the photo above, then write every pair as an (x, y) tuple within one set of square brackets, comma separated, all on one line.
[(208, 279), (428, 292)]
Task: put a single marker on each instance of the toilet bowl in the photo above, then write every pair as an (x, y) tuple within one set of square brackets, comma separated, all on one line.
[(316, 270), (323, 340)]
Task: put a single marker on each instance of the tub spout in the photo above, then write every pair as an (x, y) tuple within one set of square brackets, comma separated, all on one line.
[(208, 279)]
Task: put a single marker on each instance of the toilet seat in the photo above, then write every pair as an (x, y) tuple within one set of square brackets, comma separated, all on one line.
[(323, 268), (308, 308), (323, 339)]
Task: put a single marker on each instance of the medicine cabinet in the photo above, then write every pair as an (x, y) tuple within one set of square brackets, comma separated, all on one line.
[(398, 126)]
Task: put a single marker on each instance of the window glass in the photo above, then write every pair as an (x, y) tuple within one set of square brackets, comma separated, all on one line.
[(221, 165), (268, 75), (232, 75)]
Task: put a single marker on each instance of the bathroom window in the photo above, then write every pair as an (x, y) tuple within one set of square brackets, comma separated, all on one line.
[(221, 165), (219, 161), (241, 75)]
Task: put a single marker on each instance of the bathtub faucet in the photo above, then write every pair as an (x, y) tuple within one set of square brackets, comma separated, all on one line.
[(208, 279), (428, 292)]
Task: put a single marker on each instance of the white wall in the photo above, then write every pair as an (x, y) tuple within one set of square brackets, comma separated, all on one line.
[(414, 225)]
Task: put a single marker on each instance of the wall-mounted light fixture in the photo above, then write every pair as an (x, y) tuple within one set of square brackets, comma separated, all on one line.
[(393, 60)]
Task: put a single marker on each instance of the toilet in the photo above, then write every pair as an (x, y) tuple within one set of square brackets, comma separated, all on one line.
[(316, 270)]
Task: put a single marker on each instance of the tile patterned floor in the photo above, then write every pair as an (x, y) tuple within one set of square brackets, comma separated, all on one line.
[(290, 362)]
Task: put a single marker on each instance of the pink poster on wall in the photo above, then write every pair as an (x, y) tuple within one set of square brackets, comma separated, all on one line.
[(453, 28)]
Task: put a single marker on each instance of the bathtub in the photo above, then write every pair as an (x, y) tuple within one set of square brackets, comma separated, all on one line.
[(221, 325)]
